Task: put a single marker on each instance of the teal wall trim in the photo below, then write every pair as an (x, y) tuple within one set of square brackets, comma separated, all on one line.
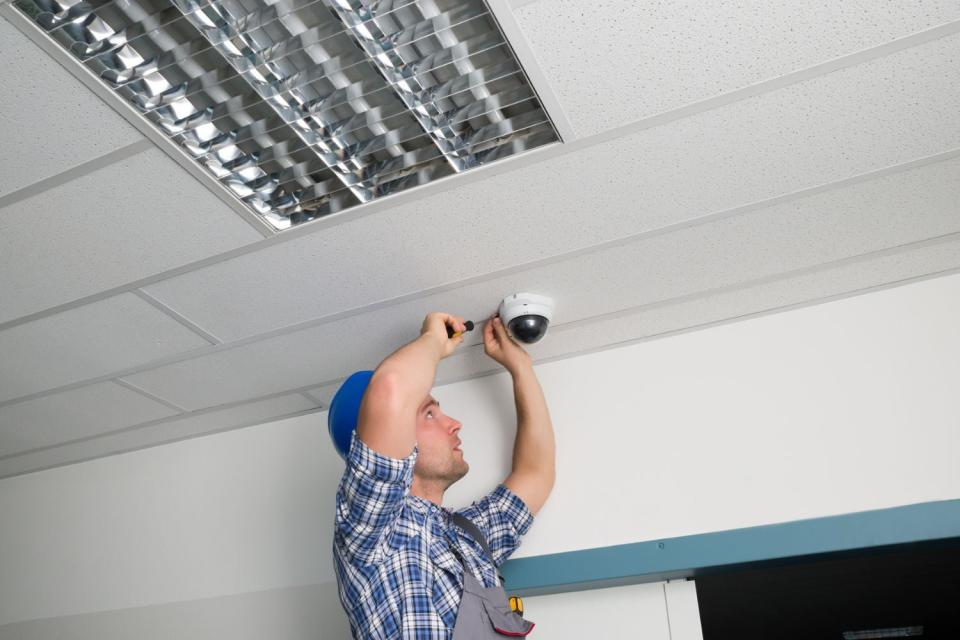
[(656, 560)]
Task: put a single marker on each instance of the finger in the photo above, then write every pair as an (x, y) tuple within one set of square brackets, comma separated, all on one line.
[(455, 323), (452, 324), (489, 339), (499, 328), (490, 331), (441, 319)]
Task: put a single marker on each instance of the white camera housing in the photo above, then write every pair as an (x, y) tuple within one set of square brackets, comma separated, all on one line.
[(527, 316)]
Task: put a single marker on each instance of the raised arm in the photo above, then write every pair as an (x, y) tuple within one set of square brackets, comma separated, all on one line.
[(534, 450), (387, 420)]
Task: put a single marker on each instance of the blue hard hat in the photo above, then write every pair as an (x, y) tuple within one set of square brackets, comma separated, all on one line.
[(345, 410)]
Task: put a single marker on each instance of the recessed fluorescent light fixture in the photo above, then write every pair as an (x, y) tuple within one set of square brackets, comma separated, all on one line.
[(303, 108)]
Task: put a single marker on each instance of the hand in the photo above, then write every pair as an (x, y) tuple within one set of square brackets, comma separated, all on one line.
[(502, 348), (435, 326)]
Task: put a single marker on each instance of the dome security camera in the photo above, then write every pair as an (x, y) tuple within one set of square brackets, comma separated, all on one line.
[(526, 316)]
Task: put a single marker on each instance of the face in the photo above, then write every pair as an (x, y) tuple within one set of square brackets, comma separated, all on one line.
[(440, 456)]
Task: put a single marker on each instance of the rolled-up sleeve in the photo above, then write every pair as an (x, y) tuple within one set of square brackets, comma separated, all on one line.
[(503, 518), (370, 501)]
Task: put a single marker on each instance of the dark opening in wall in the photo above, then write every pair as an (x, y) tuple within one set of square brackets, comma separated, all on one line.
[(906, 591)]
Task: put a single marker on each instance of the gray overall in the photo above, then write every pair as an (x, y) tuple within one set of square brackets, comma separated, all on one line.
[(484, 611)]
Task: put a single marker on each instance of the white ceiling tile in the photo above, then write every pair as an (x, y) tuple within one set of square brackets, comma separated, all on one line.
[(616, 330), (123, 222), (51, 122), (865, 118), (87, 342), (873, 216), (573, 338), (839, 224), (638, 59), (262, 368), (839, 281), (158, 433), (73, 414), (217, 420), (323, 395)]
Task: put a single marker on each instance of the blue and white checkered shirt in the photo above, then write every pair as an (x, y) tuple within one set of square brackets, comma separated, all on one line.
[(396, 573)]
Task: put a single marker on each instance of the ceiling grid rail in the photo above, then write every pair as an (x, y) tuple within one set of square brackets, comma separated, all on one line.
[(218, 348)]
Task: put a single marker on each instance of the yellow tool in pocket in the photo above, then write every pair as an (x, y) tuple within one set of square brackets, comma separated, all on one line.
[(516, 604)]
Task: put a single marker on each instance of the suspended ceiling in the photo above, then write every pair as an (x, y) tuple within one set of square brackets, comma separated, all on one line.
[(719, 160)]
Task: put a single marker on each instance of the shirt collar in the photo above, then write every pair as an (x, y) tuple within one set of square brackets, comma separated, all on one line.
[(425, 507)]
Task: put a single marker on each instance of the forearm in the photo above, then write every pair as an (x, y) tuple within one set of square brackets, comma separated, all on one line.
[(412, 368), (534, 451), (387, 421)]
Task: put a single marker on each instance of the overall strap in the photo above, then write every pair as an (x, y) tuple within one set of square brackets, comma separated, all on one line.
[(464, 523)]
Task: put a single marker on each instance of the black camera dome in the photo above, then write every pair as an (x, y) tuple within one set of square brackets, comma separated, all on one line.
[(528, 328)]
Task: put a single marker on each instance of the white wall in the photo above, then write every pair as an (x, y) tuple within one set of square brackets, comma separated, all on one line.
[(836, 408), (841, 407)]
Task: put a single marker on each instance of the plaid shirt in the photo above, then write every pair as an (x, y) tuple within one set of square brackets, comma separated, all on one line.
[(396, 574)]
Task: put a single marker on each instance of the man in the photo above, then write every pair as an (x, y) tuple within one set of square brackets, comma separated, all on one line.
[(406, 566)]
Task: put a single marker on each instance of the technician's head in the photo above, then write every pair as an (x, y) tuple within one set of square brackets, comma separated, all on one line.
[(440, 458)]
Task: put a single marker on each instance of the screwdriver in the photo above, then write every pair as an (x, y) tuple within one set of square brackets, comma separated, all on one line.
[(468, 324)]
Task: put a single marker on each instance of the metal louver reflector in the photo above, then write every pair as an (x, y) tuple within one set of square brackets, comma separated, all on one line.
[(307, 107)]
